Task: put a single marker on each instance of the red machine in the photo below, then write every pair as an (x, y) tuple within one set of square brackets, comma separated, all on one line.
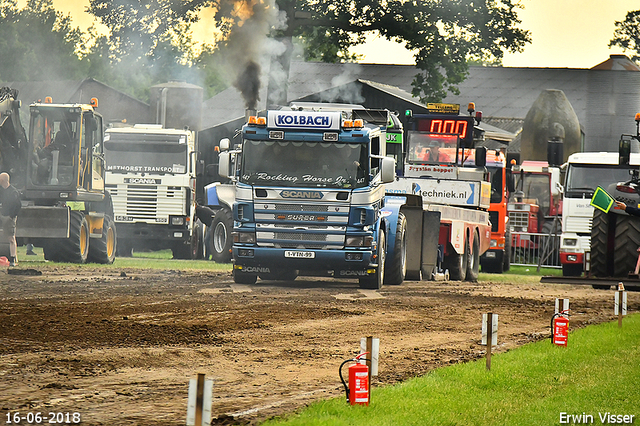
[(358, 389)]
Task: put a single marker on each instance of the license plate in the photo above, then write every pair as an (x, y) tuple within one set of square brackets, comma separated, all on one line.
[(300, 254)]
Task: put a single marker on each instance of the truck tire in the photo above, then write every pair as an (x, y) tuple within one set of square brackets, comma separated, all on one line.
[(396, 268), (626, 243), (457, 263), (473, 265), (601, 248), (280, 276), (553, 249), (375, 282), (103, 250), (74, 249), (124, 248), (221, 236), (240, 278), (191, 250), (506, 260)]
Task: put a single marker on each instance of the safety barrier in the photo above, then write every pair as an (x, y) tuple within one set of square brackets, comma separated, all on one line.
[(532, 249)]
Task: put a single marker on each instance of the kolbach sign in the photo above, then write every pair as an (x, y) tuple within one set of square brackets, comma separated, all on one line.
[(303, 120)]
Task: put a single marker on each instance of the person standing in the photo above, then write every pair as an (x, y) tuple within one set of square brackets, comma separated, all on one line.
[(11, 205)]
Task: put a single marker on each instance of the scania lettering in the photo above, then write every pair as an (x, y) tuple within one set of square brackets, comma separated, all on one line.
[(309, 200), (151, 176)]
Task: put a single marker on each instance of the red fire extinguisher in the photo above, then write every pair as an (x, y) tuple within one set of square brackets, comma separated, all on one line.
[(560, 328), (358, 389)]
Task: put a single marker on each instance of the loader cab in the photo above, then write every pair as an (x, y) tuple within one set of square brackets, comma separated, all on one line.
[(66, 158)]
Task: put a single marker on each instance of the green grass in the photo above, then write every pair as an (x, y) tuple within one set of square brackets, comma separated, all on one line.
[(597, 373), (161, 259)]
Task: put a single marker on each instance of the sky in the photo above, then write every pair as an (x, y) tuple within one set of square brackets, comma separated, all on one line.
[(564, 33)]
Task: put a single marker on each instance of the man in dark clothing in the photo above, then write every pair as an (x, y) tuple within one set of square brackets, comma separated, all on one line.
[(11, 205)]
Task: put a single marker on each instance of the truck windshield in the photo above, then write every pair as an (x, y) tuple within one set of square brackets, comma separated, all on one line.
[(429, 148), (125, 153), (584, 178), (315, 164)]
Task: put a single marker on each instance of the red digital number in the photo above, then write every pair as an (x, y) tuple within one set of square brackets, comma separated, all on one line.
[(458, 127)]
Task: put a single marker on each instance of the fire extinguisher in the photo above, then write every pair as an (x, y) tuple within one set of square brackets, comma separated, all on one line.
[(560, 328), (358, 389)]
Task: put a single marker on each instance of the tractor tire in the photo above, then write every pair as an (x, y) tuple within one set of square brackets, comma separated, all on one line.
[(473, 264), (626, 243), (103, 250), (74, 249), (396, 268), (375, 282), (601, 247), (457, 263), (221, 236)]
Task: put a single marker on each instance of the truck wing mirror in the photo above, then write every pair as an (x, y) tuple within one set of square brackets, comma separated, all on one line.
[(388, 170), (481, 156), (224, 144), (224, 165), (624, 152)]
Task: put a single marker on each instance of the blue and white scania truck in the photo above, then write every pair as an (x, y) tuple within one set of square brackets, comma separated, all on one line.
[(310, 196)]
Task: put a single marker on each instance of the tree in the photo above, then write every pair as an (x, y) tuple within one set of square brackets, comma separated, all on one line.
[(37, 43), (444, 33), (627, 34)]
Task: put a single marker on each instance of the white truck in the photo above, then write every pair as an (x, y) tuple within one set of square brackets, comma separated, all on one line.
[(584, 173), (150, 173)]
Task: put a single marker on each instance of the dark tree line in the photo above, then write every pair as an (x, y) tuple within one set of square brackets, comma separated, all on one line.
[(149, 42)]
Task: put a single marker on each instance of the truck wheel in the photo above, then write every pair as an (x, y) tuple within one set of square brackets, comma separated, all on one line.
[(240, 278), (198, 244), (74, 249), (601, 248), (474, 260), (457, 263), (280, 276), (553, 247), (397, 266), (375, 282), (506, 259), (626, 243), (103, 250), (221, 236), (124, 248)]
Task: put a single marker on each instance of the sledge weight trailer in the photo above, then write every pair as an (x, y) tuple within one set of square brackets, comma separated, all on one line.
[(60, 171), (151, 176), (453, 192), (310, 198)]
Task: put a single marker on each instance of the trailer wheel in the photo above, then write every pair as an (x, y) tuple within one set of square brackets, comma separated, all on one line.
[(240, 278), (457, 263), (601, 248), (626, 243), (397, 266), (221, 236), (103, 250), (474, 259), (375, 282), (74, 249)]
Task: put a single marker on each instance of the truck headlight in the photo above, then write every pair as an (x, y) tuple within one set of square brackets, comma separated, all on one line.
[(493, 243), (570, 242), (359, 241), (244, 237), (177, 220)]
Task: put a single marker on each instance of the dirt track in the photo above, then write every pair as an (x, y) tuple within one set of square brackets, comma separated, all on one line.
[(119, 345)]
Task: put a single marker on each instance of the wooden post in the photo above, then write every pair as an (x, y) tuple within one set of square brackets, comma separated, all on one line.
[(199, 399), (489, 338)]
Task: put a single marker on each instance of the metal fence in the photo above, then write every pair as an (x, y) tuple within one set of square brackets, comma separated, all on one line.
[(529, 249)]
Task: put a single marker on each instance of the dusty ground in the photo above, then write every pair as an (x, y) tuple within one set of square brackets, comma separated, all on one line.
[(119, 345)]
